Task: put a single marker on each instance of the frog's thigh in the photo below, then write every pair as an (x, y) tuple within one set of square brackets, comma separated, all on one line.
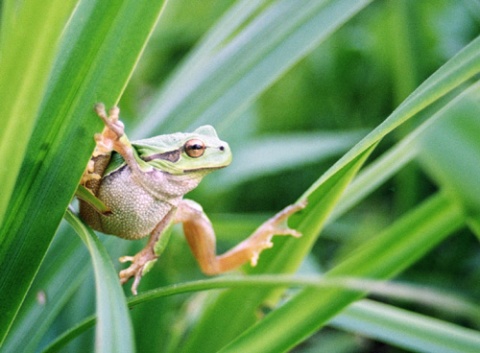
[(201, 238), (199, 234)]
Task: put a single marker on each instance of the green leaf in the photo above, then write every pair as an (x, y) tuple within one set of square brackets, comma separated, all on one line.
[(450, 149), (114, 331), (364, 314), (21, 90), (457, 70), (55, 284), (237, 62), (443, 81), (384, 256), (405, 329), (92, 65), (389, 163), (195, 78), (34, 55), (84, 194)]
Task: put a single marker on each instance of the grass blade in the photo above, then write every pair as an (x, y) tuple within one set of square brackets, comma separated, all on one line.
[(450, 150), (405, 329), (114, 331), (92, 65), (21, 90), (278, 152), (362, 313), (383, 257), (231, 75), (56, 283)]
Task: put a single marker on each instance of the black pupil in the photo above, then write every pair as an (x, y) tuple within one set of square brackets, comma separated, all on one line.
[(195, 146)]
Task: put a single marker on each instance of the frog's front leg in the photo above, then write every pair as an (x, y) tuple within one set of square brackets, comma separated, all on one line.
[(201, 237), (105, 144), (113, 137)]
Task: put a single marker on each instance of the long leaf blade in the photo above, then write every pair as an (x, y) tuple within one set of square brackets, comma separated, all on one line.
[(231, 75), (93, 65), (114, 332), (408, 330), (56, 285), (451, 152), (386, 255), (21, 92)]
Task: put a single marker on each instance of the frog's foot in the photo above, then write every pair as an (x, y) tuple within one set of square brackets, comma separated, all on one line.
[(113, 131), (261, 239), (140, 264), (111, 120), (89, 173), (113, 136)]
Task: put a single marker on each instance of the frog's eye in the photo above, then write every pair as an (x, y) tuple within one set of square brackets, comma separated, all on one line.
[(194, 148)]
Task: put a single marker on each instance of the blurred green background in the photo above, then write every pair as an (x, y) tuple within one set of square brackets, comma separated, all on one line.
[(343, 89), (282, 143)]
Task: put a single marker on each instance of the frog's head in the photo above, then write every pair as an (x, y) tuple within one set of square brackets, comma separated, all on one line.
[(185, 153)]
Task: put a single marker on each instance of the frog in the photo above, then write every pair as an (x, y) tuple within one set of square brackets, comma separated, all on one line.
[(142, 184)]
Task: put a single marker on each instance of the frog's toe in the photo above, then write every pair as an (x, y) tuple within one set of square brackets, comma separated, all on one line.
[(134, 270), (112, 119), (129, 272), (277, 225), (100, 109), (124, 259), (140, 264)]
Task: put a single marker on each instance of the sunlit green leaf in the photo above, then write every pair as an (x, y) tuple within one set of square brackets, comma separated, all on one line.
[(22, 90), (92, 65), (366, 316), (85, 195)]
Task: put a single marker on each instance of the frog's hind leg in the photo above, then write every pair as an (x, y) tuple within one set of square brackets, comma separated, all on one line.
[(201, 238), (143, 261)]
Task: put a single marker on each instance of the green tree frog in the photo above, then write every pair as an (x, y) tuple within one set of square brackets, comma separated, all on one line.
[(142, 183)]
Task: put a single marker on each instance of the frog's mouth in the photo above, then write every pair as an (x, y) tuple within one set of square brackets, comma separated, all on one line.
[(206, 169)]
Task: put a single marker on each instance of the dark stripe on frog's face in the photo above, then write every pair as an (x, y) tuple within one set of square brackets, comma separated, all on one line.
[(171, 156)]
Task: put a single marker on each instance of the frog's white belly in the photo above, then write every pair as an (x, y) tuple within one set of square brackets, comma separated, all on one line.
[(135, 211)]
